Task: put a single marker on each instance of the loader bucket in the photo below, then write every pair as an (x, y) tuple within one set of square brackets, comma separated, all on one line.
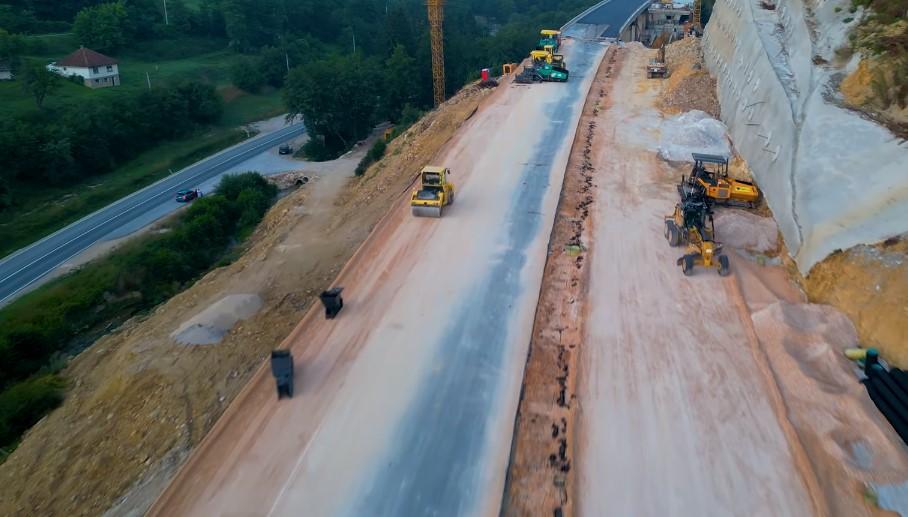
[(332, 301), (427, 211)]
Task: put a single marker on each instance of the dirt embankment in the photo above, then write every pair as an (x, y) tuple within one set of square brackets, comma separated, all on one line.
[(139, 402), (540, 476), (689, 85), (870, 285)]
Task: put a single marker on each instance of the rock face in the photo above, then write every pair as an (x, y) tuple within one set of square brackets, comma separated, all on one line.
[(832, 178)]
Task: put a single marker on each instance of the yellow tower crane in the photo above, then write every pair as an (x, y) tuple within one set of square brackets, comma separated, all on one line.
[(695, 15), (436, 19)]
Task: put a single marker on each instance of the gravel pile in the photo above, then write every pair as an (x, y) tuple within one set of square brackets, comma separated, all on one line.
[(689, 85)]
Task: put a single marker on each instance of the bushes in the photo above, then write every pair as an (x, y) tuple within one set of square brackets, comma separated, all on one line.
[(72, 143), (22, 405), (374, 154), (142, 274)]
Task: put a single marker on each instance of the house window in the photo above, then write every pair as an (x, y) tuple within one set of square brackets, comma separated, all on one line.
[(97, 81), (109, 68), (94, 69)]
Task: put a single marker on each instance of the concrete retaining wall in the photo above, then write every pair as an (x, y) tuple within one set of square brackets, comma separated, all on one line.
[(832, 179)]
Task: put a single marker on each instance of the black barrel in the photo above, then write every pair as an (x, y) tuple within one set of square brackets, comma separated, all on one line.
[(332, 301)]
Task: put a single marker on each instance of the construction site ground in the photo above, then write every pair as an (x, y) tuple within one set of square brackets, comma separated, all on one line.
[(651, 393), (547, 291), (405, 403)]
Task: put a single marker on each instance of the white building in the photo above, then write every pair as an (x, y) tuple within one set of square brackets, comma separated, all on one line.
[(6, 73), (95, 69)]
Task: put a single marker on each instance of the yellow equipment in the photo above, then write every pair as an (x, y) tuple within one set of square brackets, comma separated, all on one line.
[(436, 20), (549, 38), (545, 56), (688, 224), (433, 193), (715, 184)]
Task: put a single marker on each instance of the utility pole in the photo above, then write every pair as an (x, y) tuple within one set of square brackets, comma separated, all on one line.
[(166, 20), (354, 39), (287, 59), (148, 80)]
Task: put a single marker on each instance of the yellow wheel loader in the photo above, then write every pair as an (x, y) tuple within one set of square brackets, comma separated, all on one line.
[(714, 183), (692, 224), (433, 194)]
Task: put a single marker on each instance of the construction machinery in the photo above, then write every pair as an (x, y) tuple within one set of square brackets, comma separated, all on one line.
[(541, 57), (709, 179), (549, 39), (433, 194), (657, 66), (692, 224), (545, 67), (436, 21)]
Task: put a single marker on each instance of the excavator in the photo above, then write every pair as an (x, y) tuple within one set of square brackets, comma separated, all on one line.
[(433, 194), (714, 184), (549, 39), (692, 224)]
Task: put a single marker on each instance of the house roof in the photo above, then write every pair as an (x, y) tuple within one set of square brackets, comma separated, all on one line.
[(86, 58), (4, 66)]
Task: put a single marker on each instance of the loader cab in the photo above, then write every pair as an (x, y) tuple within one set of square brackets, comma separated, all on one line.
[(709, 167)]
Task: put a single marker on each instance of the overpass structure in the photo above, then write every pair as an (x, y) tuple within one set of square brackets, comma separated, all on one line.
[(611, 20)]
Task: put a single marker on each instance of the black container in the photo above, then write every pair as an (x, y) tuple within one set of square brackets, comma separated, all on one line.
[(332, 301), (282, 369)]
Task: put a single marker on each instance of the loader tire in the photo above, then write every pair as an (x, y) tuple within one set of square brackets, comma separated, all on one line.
[(723, 266), (687, 265), (672, 233)]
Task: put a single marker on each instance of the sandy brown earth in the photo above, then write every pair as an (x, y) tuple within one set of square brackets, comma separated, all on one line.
[(704, 395), (689, 86), (870, 285), (139, 402)]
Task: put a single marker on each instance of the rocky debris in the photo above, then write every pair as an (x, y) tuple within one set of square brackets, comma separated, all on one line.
[(689, 85), (290, 180)]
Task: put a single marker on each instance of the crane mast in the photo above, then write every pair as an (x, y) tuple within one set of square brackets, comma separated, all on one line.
[(436, 19)]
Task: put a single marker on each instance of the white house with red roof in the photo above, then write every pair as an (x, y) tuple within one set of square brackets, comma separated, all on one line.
[(95, 69)]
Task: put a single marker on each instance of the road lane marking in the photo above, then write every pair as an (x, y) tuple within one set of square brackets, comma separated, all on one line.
[(267, 143), (296, 467)]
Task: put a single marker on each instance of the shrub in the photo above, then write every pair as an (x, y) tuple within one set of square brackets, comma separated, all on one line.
[(246, 76), (37, 327), (23, 404), (375, 153)]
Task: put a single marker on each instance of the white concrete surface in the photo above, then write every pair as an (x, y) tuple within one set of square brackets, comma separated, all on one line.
[(832, 179)]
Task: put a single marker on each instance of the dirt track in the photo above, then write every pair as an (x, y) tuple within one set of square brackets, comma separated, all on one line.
[(676, 417), (405, 403)]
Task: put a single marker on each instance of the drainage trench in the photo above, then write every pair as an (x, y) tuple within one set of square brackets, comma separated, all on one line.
[(540, 473)]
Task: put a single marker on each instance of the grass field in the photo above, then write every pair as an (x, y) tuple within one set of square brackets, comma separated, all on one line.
[(37, 212)]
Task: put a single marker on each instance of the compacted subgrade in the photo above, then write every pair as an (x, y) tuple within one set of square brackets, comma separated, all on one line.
[(539, 474)]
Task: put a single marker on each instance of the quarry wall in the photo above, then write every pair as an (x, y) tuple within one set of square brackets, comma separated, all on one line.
[(832, 178)]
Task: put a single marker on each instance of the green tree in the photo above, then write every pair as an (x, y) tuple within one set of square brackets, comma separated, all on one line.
[(102, 27), (337, 97), (400, 86), (39, 82), (11, 46), (245, 75)]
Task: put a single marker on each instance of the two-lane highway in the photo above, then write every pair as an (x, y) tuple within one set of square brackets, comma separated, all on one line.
[(27, 266)]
